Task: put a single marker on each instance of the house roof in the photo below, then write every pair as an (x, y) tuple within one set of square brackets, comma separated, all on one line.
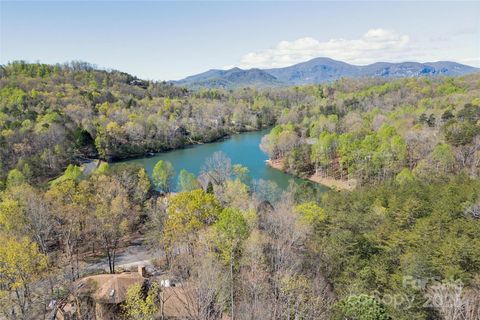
[(109, 288), (179, 302)]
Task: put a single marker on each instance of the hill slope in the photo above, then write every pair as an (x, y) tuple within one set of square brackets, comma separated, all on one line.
[(231, 78)]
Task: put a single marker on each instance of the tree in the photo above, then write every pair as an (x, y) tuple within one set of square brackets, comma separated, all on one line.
[(241, 173), (254, 302), (404, 177), (133, 178), (287, 141), (324, 124), (287, 233), (209, 188), (443, 158), (460, 133), (311, 212), (361, 307), (68, 204), (204, 295), (187, 213), (163, 175), (447, 115), (12, 218), (139, 306), (297, 161), (187, 181), (304, 298), (231, 230), (21, 266), (15, 178), (269, 146), (113, 215), (143, 186), (324, 150), (25, 211), (234, 194), (217, 169), (266, 190)]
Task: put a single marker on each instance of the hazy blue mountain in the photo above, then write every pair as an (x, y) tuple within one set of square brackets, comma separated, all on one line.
[(317, 70), (415, 69), (321, 70), (231, 78)]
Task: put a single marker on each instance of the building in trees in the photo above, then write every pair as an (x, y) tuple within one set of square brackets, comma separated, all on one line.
[(100, 296)]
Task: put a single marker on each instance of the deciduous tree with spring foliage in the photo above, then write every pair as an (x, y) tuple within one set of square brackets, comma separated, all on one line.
[(187, 213), (163, 174), (141, 306), (21, 265), (231, 230)]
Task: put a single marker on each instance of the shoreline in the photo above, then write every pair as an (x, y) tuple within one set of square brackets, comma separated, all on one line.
[(329, 182)]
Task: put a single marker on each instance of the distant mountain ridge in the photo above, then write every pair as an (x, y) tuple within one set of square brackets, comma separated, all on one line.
[(320, 70), (231, 78)]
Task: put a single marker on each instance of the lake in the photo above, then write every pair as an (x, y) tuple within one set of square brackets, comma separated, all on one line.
[(243, 148)]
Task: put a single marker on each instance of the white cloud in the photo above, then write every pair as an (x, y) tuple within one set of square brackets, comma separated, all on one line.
[(374, 45)]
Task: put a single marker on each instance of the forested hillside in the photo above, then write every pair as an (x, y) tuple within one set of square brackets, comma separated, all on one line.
[(375, 132), (54, 115), (403, 245)]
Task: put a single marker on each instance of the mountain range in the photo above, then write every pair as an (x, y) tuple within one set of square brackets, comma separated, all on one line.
[(320, 70)]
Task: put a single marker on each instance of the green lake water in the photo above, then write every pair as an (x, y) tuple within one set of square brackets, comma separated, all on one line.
[(241, 148)]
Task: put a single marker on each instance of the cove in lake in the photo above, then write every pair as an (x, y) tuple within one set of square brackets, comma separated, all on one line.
[(241, 148)]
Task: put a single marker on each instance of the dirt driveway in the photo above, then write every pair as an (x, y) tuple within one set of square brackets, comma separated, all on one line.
[(129, 257)]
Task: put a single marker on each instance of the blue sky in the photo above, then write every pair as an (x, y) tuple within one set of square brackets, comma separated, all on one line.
[(170, 40)]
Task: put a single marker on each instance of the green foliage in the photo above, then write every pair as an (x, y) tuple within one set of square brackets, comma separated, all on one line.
[(443, 156), (138, 307), (187, 213), (15, 178), (102, 168), (469, 113), (209, 189), (12, 218), (82, 138), (297, 162), (22, 265), (143, 186), (187, 181), (231, 230), (163, 175), (324, 149), (381, 234), (73, 173), (311, 212), (12, 99), (450, 87), (361, 307), (242, 173), (460, 133), (405, 176)]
